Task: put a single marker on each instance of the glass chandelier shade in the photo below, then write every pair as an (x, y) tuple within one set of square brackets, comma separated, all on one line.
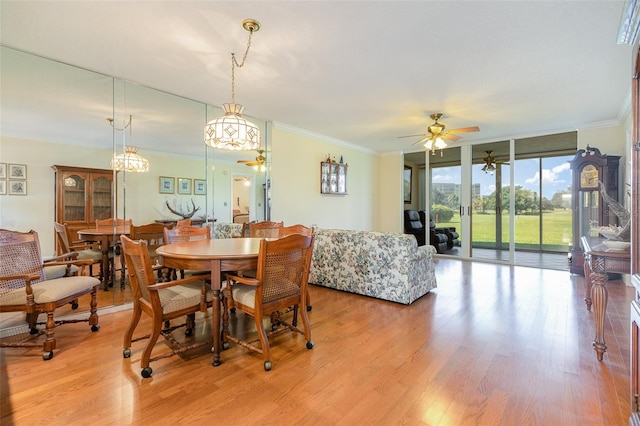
[(232, 131), (434, 143), (130, 161)]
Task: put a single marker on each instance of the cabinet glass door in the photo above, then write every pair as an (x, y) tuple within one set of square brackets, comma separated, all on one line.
[(101, 196), (75, 198)]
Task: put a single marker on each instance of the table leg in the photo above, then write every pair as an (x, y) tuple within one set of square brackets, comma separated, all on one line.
[(587, 281), (600, 296), (215, 286)]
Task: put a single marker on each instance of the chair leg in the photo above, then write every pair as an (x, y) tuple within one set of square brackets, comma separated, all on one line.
[(264, 342), (50, 342), (156, 327), (128, 335)]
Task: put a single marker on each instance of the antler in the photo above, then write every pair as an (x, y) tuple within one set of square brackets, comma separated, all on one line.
[(184, 215)]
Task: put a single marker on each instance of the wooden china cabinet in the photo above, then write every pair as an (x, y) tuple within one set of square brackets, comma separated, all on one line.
[(589, 167), (82, 196)]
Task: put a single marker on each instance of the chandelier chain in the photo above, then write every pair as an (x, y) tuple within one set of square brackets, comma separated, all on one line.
[(234, 64)]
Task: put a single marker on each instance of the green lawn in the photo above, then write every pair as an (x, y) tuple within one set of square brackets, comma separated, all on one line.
[(556, 231)]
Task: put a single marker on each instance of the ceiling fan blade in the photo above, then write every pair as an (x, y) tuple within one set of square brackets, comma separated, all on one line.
[(449, 137), (422, 140), (465, 130), (413, 136), (244, 161)]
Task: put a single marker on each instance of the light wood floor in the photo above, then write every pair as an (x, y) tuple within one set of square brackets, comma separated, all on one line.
[(492, 345)]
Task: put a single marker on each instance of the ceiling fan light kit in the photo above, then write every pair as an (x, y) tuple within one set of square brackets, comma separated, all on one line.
[(232, 131), (489, 163), (436, 134)]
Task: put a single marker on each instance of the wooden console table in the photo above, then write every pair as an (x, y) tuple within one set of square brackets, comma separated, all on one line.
[(599, 260)]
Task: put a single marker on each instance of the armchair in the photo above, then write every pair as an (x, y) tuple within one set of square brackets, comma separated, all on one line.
[(413, 226), (23, 287)]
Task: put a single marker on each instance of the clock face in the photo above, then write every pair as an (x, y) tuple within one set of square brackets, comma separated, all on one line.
[(589, 177)]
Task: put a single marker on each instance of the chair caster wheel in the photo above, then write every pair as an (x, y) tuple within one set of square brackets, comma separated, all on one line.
[(74, 305), (232, 310), (309, 308), (225, 345), (310, 344), (267, 366), (126, 353), (95, 327), (146, 372), (33, 331), (188, 332), (46, 356)]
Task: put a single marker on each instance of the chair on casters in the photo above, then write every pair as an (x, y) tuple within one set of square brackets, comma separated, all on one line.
[(114, 249), (281, 282), (183, 222), (85, 250), (302, 230), (23, 287), (162, 302), (264, 229)]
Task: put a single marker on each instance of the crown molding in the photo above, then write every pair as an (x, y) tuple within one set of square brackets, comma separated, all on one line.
[(324, 138)]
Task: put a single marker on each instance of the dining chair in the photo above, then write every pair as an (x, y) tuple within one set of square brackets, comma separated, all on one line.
[(183, 222), (183, 234), (153, 234), (281, 282), (86, 250), (24, 287), (302, 230), (264, 229), (162, 302)]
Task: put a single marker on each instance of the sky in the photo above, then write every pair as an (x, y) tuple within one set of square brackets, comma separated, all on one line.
[(556, 175)]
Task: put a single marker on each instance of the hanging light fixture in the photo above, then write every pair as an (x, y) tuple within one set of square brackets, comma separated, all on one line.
[(489, 163), (130, 160), (232, 131)]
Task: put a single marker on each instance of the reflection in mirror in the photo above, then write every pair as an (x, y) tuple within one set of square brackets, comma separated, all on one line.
[(60, 113)]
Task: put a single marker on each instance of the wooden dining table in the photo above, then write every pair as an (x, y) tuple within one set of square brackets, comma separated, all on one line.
[(216, 256), (106, 236)]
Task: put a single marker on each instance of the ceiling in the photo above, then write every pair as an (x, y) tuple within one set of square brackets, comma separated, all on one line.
[(361, 72)]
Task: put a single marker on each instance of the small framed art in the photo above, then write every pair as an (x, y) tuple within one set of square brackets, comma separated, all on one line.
[(17, 171), (3, 187), (167, 185), (17, 187), (200, 187), (3, 170), (184, 186)]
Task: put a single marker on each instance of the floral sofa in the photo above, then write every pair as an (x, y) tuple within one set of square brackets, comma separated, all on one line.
[(225, 230), (387, 266)]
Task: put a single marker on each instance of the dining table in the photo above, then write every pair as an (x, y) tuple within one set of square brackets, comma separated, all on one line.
[(601, 260), (216, 256), (106, 237)]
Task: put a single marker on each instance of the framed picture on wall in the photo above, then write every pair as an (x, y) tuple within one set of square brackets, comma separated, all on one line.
[(184, 186), (200, 187), (167, 185), (17, 171), (407, 184), (3, 187), (17, 187), (3, 170)]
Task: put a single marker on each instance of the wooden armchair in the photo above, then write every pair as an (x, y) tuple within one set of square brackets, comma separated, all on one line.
[(23, 288), (302, 230), (162, 302), (153, 234), (86, 250), (183, 222), (114, 249), (281, 282), (183, 234)]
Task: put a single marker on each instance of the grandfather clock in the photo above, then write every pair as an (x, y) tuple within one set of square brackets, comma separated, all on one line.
[(589, 167)]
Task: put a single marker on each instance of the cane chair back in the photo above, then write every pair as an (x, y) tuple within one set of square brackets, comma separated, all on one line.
[(153, 234), (183, 234), (85, 250), (281, 282), (162, 302), (302, 230), (23, 287), (264, 229)]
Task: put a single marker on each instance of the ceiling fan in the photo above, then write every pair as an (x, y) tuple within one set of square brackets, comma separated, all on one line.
[(258, 163), (436, 134)]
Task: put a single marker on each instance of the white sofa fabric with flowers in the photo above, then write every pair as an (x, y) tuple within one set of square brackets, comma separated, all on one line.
[(384, 265)]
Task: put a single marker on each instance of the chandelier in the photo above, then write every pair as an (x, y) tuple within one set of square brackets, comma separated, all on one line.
[(130, 160), (489, 163), (232, 131)]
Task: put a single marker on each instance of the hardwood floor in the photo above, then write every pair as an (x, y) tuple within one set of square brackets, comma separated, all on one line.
[(492, 345)]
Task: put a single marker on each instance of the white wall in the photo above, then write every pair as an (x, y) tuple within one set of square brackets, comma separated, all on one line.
[(295, 171)]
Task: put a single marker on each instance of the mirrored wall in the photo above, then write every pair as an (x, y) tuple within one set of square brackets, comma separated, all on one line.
[(55, 114)]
